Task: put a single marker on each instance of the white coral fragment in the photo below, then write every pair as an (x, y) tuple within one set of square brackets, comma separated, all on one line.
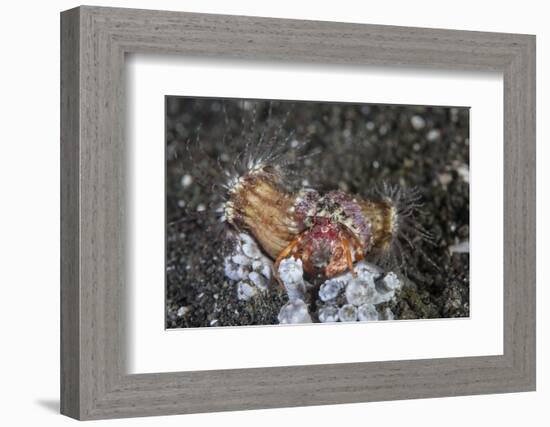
[(241, 259), (248, 267), (366, 272), (359, 292), (367, 312), (391, 281), (329, 290), (251, 250), (328, 314), (263, 266), (348, 297), (364, 292), (259, 281), (348, 313), (231, 270), (291, 270), (294, 311), (245, 291), (291, 274)]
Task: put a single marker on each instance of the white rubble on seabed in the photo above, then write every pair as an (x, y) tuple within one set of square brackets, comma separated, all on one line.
[(294, 311), (248, 267), (291, 274), (343, 298), (361, 293)]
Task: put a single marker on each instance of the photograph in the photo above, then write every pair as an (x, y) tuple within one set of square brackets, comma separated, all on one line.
[(287, 212)]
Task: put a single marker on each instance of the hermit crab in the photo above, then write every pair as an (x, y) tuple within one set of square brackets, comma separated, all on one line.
[(327, 232)]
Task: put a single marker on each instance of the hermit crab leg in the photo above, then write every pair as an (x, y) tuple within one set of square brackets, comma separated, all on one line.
[(347, 253), (282, 255)]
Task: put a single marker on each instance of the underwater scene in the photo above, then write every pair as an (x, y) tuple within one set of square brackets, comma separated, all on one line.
[(294, 212)]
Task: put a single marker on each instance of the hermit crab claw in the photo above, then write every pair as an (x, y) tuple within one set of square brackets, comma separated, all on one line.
[(324, 248)]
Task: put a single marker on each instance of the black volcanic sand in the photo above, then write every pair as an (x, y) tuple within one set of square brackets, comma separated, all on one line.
[(361, 146)]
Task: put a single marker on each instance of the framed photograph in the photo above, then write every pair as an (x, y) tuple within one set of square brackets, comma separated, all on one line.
[(262, 213)]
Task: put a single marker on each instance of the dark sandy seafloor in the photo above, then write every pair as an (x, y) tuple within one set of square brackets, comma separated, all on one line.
[(361, 146)]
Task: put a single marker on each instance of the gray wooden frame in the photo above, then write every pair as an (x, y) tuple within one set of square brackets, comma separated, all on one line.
[(94, 41)]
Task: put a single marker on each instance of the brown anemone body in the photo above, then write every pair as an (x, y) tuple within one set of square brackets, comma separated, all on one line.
[(259, 205), (382, 217)]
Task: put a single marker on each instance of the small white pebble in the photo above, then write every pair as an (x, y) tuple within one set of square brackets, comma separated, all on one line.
[(243, 272), (182, 311), (347, 313), (391, 281), (267, 269), (213, 322), (201, 207), (369, 125), (433, 135), (445, 178), (263, 266), (464, 173), (294, 312), (291, 271), (460, 248), (240, 259), (291, 274), (367, 272), (329, 290), (231, 270), (245, 291), (295, 290), (418, 122), (245, 238), (258, 280), (328, 314), (367, 312), (357, 293), (251, 250), (186, 180)]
